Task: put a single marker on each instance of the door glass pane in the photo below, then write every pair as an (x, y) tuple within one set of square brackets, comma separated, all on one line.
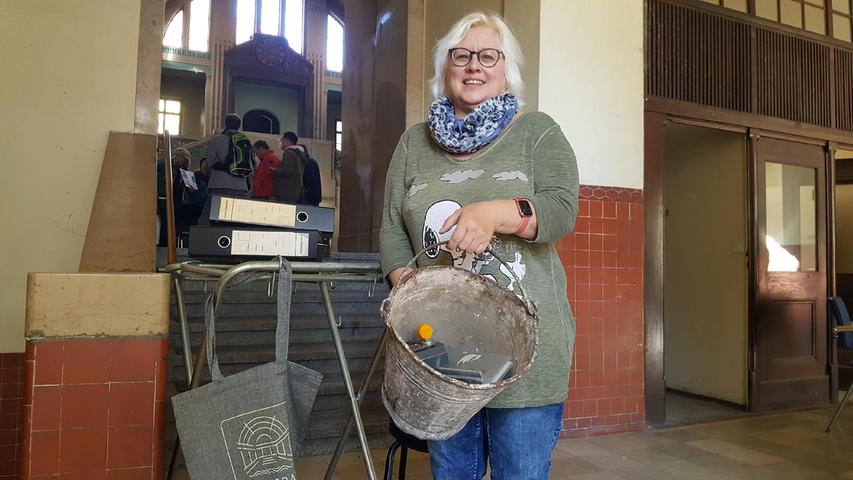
[(790, 218)]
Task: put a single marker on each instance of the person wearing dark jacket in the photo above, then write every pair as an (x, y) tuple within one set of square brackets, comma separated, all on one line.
[(311, 185), (222, 182), (287, 179)]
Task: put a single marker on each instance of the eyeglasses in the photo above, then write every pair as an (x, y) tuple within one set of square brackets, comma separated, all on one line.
[(488, 57)]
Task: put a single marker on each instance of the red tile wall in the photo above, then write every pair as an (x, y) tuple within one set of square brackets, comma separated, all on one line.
[(94, 409), (603, 259), (11, 406)]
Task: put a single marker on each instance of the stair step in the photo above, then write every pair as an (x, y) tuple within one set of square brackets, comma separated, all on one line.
[(269, 309), (248, 323), (330, 423)]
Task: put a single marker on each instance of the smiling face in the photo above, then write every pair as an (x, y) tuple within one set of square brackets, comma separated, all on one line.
[(469, 86)]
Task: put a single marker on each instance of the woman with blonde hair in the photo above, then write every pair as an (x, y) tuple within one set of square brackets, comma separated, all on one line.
[(480, 174)]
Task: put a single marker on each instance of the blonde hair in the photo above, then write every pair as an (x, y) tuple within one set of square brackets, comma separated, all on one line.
[(507, 42)]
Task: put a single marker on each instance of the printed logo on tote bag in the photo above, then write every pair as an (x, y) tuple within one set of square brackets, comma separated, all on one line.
[(258, 445)]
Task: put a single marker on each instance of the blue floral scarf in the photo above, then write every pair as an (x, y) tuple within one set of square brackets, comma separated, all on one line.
[(476, 130)]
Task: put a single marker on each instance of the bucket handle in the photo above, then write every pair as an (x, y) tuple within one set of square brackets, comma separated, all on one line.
[(528, 302)]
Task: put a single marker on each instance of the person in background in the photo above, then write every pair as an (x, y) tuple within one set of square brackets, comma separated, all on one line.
[(269, 161), (287, 179), (180, 160), (481, 174), (193, 201), (312, 188), (222, 182)]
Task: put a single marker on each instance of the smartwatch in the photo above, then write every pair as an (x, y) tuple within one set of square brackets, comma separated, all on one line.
[(525, 210)]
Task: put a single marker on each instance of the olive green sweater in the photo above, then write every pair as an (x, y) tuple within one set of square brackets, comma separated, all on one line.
[(531, 159)]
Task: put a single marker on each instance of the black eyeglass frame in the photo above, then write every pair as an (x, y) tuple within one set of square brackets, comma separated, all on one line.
[(477, 53)]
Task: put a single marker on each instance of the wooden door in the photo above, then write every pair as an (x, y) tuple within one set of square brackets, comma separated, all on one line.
[(789, 364)]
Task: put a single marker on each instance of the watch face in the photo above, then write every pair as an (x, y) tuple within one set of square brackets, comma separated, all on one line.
[(524, 206)]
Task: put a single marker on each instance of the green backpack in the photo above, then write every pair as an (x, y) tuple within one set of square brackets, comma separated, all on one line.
[(240, 160)]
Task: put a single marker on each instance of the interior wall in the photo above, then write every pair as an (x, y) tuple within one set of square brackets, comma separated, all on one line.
[(705, 269), (591, 82), (374, 114), (280, 101), (188, 87), (74, 81), (844, 218)]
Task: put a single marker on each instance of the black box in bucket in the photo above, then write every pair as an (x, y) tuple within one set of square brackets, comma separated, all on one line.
[(471, 367)]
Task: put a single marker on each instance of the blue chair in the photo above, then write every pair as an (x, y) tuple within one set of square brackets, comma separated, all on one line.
[(842, 317), (845, 340)]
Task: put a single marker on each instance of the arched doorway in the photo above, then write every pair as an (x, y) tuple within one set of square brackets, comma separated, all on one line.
[(261, 121)]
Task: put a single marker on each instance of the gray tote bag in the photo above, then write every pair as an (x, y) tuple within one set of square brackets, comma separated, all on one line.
[(248, 425)]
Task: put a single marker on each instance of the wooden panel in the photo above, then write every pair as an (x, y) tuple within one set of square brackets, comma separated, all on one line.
[(793, 79), (844, 89), (97, 304), (722, 60), (122, 226), (790, 332), (696, 57)]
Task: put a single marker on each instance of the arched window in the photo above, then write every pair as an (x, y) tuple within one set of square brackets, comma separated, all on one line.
[(261, 121), (272, 17), (197, 13), (174, 36), (334, 44)]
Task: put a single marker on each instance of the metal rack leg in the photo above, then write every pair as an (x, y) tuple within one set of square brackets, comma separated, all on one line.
[(185, 331), (838, 410), (354, 403), (362, 392), (195, 381)]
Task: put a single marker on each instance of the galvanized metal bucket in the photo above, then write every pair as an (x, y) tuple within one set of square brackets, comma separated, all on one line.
[(467, 311)]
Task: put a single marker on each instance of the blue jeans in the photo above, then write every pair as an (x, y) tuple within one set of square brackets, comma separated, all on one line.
[(516, 441)]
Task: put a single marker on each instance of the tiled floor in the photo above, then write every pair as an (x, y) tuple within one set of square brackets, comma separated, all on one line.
[(683, 410), (788, 446)]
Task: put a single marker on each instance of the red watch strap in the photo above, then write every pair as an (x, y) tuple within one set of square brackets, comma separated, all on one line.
[(524, 222)]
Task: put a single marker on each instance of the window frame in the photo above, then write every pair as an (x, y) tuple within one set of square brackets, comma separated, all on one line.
[(186, 10), (163, 112), (828, 8), (282, 9)]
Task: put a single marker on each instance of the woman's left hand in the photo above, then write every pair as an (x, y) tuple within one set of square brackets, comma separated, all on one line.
[(477, 223)]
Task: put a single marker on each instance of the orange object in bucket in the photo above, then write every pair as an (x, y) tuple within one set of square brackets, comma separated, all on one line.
[(424, 331), (472, 313)]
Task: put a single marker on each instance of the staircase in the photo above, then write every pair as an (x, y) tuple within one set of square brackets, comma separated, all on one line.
[(245, 337)]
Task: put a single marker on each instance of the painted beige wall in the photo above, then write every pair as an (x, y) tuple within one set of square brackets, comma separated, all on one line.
[(591, 82), (74, 80), (844, 228), (705, 274)]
